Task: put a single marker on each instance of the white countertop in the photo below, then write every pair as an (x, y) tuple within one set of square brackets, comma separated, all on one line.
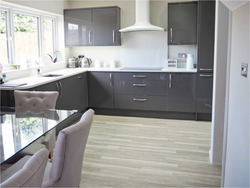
[(36, 80)]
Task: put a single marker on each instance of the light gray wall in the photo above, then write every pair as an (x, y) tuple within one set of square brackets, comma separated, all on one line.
[(219, 88), (237, 150)]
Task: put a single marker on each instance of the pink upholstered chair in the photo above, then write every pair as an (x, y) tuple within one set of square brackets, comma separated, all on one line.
[(65, 169), (37, 100), (27, 172)]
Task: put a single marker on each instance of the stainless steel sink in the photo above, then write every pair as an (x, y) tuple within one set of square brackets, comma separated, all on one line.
[(52, 75)]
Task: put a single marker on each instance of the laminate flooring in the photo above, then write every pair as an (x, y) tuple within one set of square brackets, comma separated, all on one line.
[(148, 152)]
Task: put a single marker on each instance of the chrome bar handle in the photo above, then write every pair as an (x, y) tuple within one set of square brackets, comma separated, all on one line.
[(79, 77), (139, 85), (206, 69), (60, 84), (206, 75), (57, 88), (140, 100), (113, 36), (139, 76), (90, 37), (110, 80), (170, 81), (171, 34)]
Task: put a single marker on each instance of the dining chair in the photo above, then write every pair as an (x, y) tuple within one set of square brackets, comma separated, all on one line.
[(37, 100), (66, 167), (27, 172)]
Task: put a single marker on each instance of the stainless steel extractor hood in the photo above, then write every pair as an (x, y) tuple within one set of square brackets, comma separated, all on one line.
[(142, 20)]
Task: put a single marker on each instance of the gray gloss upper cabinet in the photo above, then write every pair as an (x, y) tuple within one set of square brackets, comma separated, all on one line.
[(182, 23), (78, 27), (206, 25), (106, 25), (92, 26), (182, 92)]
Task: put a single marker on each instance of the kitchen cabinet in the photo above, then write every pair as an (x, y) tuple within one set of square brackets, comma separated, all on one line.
[(140, 91), (92, 26), (100, 87), (181, 92), (182, 23), (204, 92), (206, 25), (73, 92)]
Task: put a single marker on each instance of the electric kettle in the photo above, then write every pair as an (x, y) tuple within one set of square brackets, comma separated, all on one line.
[(84, 62), (72, 62)]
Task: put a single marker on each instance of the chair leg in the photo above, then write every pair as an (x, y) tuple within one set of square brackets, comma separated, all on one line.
[(51, 154)]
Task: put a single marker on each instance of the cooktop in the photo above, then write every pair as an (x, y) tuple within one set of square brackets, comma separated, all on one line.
[(141, 68)]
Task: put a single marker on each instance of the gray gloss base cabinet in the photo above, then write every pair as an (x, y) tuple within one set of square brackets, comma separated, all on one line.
[(204, 93), (182, 92), (92, 26), (73, 92), (182, 23), (100, 88)]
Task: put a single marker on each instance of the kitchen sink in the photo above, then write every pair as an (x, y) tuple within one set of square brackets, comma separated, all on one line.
[(52, 75)]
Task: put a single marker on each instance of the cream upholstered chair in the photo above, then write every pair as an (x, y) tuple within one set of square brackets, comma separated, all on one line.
[(27, 172), (37, 100), (65, 169)]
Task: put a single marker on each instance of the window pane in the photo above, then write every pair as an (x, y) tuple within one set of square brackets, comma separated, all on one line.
[(48, 36), (26, 37), (3, 39)]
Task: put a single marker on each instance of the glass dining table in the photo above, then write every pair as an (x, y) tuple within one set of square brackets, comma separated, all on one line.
[(21, 127)]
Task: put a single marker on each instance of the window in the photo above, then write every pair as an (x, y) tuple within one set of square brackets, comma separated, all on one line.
[(4, 52), (26, 37), (48, 36)]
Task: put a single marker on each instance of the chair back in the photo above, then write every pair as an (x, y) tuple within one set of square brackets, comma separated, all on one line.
[(67, 162), (31, 175), (35, 99)]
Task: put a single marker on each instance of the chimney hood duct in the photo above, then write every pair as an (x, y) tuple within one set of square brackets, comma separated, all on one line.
[(142, 22)]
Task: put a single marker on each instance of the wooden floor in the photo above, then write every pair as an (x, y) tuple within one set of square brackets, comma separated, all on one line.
[(147, 152)]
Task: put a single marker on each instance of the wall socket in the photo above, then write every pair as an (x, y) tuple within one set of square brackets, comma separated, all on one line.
[(182, 55)]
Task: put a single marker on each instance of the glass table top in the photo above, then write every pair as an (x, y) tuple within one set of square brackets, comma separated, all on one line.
[(21, 127)]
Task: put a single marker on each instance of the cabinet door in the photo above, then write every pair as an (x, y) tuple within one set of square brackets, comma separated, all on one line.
[(78, 27), (181, 92), (206, 35), (204, 92), (100, 89), (182, 23), (106, 26)]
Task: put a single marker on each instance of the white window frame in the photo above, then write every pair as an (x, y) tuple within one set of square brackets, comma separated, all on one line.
[(17, 9)]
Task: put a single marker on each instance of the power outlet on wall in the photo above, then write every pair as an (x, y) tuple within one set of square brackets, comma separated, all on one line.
[(182, 55), (244, 67)]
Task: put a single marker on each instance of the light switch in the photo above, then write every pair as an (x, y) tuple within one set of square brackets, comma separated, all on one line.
[(244, 67)]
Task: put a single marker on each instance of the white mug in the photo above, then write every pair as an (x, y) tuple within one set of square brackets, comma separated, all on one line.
[(97, 64), (112, 64)]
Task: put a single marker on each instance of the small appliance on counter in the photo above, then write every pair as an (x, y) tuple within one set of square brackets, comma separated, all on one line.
[(84, 62), (190, 61), (72, 62), (172, 63)]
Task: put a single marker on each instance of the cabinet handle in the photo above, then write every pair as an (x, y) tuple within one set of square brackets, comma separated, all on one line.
[(170, 81), (90, 37), (60, 84), (206, 69), (139, 76), (141, 100), (113, 36), (79, 77), (110, 80), (171, 34), (139, 85), (57, 88), (206, 75)]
